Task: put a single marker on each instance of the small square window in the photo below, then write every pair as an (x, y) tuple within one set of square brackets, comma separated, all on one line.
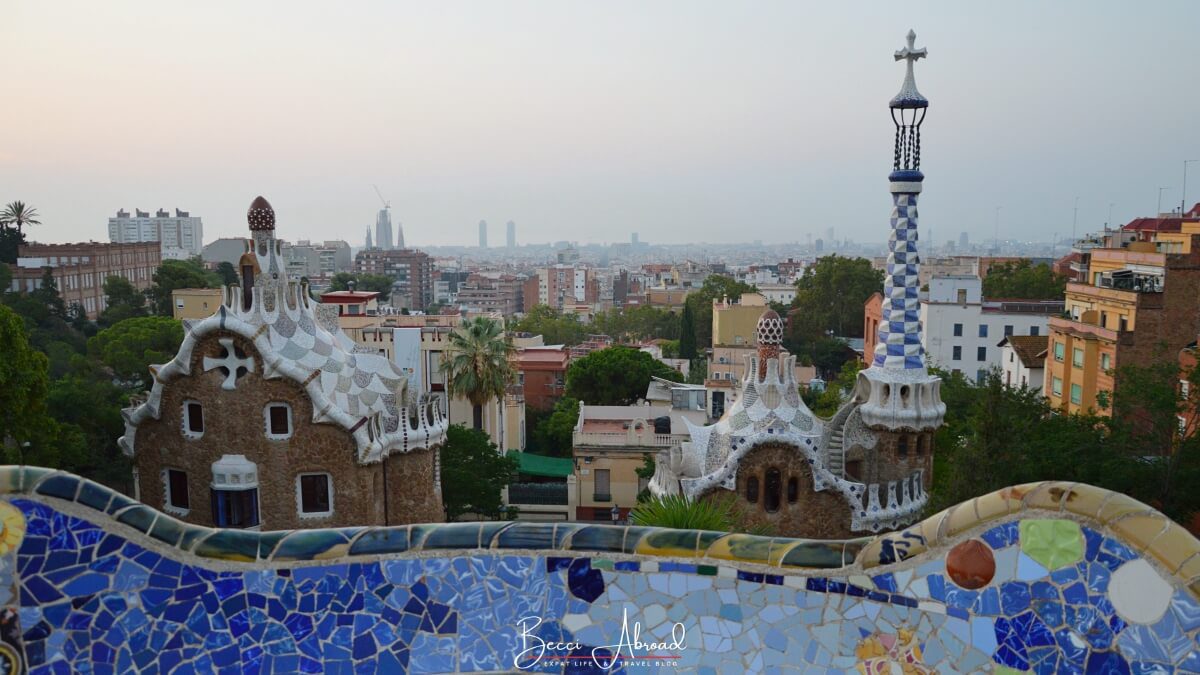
[(177, 490), (314, 494), (1008, 330), (193, 419), (1077, 357), (1076, 394), (279, 421), (983, 330), (981, 353), (1034, 330), (958, 330), (1105, 362), (1056, 386), (956, 354)]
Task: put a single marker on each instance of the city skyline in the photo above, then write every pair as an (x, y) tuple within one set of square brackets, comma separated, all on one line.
[(681, 122)]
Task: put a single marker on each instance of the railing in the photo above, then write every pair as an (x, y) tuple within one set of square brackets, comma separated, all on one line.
[(602, 497), (618, 439), (547, 494)]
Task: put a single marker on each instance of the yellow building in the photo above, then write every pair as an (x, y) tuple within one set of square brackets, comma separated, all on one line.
[(734, 323), (195, 303), (1140, 301)]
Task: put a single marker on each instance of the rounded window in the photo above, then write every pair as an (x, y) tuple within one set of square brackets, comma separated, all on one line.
[(752, 489), (773, 490)]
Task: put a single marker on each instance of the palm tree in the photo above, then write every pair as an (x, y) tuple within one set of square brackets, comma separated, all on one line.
[(476, 363), (17, 213)]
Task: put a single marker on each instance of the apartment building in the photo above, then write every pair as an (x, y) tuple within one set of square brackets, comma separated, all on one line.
[(411, 270), (80, 269), (1138, 304), (962, 328), (559, 286), (502, 294), (180, 235)]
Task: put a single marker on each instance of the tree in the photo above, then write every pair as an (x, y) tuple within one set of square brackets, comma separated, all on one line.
[(10, 244), (1022, 279), (554, 327), (228, 274), (829, 300), (637, 323), (477, 363), (175, 274), (379, 283), (23, 383), (130, 347), (17, 215), (47, 294), (122, 301), (473, 473), (615, 376), (687, 333), (552, 434)]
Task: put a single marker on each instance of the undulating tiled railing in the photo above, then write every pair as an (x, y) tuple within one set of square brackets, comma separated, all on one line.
[(1043, 577)]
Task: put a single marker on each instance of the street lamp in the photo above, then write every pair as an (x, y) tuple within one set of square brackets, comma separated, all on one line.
[(1183, 197), (616, 514)]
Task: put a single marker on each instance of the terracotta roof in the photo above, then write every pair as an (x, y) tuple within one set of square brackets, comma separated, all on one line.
[(1168, 224), (1028, 348)]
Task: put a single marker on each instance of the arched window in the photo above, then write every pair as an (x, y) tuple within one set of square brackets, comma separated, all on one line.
[(752, 489), (773, 490), (902, 446), (793, 490)]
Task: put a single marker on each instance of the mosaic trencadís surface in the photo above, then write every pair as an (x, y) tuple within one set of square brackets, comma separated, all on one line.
[(1049, 577)]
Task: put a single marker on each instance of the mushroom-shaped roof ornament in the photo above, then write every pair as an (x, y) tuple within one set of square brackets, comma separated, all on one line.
[(260, 216)]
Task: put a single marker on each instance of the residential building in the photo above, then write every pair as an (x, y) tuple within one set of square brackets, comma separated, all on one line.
[(180, 235), (559, 286), (502, 294), (411, 270), (1023, 361), (312, 260), (781, 293), (612, 442), (352, 303), (962, 327), (1138, 302), (79, 270), (195, 303), (545, 489), (872, 316), (542, 374), (734, 330), (1189, 389), (667, 298), (268, 418)]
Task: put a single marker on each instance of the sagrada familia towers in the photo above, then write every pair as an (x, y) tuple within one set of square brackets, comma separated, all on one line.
[(869, 467)]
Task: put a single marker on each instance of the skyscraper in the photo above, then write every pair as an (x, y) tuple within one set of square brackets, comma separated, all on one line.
[(633, 240), (512, 235), (180, 235), (383, 229), (963, 241), (370, 244), (399, 234), (483, 234)]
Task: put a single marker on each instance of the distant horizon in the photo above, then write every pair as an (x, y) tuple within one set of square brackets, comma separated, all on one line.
[(682, 121)]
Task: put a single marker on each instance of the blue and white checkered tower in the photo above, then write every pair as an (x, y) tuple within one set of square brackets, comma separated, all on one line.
[(898, 391)]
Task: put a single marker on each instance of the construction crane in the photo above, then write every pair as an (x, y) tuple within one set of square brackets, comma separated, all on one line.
[(386, 203)]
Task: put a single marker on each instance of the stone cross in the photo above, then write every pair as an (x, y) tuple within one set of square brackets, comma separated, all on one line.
[(911, 53), (230, 362)]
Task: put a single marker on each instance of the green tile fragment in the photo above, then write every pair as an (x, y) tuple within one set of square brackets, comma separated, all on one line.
[(706, 570), (1052, 542)]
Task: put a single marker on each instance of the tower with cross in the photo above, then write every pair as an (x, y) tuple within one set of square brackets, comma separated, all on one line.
[(900, 395)]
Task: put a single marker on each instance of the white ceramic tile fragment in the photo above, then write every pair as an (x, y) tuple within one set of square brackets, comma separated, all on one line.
[(1138, 593)]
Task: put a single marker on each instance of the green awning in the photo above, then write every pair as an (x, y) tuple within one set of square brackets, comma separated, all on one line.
[(541, 465)]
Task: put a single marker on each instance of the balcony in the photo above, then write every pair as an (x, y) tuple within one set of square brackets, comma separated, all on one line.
[(615, 439), (1083, 330), (601, 497)]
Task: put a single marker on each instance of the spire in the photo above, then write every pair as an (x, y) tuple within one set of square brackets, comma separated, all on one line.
[(260, 216), (899, 344)]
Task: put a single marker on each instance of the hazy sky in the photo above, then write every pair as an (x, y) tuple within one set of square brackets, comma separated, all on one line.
[(683, 121)]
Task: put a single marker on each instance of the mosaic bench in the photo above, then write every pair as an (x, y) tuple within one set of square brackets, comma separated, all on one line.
[(1046, 577)]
